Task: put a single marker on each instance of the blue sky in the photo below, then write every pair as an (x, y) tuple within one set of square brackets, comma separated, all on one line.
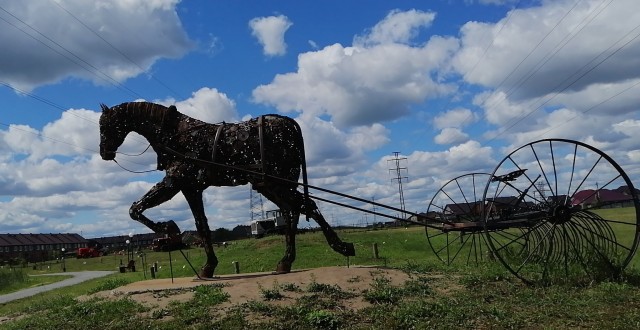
[(451, 85)]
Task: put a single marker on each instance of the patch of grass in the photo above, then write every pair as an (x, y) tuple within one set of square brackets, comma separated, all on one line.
[(334, 291), (458, 297), (210, 295), (290, 287), (109, 284), (17, 279), (92, 314), (382, 292), (271, 294), (322, 319), (9, 278)]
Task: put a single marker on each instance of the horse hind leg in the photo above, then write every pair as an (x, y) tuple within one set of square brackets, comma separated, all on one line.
[(344, 248), (284, 198), (291, 204)]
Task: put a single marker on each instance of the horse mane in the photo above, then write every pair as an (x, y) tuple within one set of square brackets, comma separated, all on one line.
[(143, 109)]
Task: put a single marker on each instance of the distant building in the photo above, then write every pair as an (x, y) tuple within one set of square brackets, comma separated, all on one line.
[(117, 243), (37, 247), (602, 198)]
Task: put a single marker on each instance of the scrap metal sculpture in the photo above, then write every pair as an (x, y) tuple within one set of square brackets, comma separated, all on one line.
[(267, 152)]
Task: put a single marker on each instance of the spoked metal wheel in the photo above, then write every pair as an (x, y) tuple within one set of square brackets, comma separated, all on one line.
[(560, 210), (456, 232)]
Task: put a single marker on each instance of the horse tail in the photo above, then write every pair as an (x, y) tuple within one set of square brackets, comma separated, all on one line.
[(303, 167)]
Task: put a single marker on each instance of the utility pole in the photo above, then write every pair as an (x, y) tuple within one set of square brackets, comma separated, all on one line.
[(398, 170), (542, 188), (257, 209)]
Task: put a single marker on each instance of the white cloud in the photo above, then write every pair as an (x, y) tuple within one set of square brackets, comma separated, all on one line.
[(270, 33), (397, 27), (360, 86), (533, 51), (207, 104), (457, 118), (45, 51), (450, 135)]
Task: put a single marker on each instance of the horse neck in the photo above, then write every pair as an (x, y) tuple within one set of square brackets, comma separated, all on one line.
[(149, 121)]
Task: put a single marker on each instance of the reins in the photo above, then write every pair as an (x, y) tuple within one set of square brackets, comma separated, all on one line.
[(132, 171), (132, 155)]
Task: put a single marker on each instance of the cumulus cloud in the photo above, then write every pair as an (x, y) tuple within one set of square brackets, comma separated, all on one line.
[(207, 104), (397, 27), (451, 135), (44, 52), (359, 85), (458, 117), (532, 51), (270, 33)]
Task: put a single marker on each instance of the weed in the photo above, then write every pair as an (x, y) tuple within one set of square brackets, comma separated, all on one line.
[(322, 319), (290, 287), (209, 295), (382, 292), (9, 278), (334, 291), (109, 284), (356, 279), (271, 294)]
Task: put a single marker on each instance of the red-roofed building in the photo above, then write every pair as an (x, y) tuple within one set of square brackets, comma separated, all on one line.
[(601, 198), (37, 247)]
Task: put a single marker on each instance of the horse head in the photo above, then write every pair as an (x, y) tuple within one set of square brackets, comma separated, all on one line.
[(113, 131)]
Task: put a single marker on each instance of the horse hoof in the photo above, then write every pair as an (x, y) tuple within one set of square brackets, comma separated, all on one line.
[(170, 228), (206, 272), (283, 268), (348, 250)]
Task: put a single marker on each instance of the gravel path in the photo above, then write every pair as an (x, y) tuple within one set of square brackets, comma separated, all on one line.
[(78, 277)]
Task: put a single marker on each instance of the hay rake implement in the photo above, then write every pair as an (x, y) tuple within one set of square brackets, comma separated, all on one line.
[(551, 209)]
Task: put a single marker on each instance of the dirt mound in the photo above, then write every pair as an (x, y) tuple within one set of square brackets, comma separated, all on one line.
[(157, 294)]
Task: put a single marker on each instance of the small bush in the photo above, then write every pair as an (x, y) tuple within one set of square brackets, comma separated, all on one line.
[(322, 319), (9, 278), (382, 292), (271, 294)]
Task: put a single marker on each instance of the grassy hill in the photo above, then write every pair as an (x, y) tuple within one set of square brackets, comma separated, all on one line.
[(483, 296)]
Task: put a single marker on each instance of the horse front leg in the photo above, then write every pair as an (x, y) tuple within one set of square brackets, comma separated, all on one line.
[(194, 198), (160, 193)]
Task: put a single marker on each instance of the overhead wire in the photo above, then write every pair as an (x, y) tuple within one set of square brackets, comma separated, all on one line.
[(78, 60), (486, 49), (559, 89), (125, 56), (545, 59)]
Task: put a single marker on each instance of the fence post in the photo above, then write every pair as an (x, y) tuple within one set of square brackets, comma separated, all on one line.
[(236, 266), (375, 250)]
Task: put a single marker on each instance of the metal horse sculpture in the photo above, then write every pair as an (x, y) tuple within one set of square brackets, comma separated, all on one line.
[(267, 152)]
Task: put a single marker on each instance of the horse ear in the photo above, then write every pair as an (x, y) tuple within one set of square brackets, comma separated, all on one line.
[(104, 107), (172, 109)]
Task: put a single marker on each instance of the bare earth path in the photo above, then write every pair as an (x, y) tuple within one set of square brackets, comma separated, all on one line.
[(241, 288), (78, 277)]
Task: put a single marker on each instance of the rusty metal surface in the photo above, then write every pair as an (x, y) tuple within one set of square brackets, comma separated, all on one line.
[(267, 152)]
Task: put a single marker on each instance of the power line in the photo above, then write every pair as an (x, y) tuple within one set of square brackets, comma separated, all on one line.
[(118, 50), (399, 177), (103, 76), (589, 70)]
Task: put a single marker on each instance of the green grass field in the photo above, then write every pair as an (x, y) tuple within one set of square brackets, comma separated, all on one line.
[(484, 296)]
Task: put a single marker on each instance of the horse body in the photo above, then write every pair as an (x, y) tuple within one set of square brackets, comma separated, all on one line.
[(267, 152)]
